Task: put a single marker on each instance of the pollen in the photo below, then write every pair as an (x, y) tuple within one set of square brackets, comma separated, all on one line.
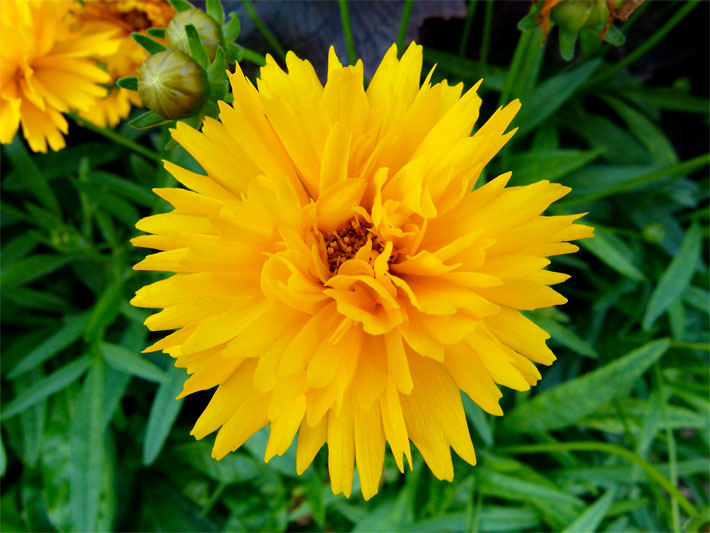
[(344, 243)]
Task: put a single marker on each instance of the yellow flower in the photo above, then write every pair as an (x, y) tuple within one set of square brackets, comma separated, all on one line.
[(122, 17), (336, 276), (46, 69)]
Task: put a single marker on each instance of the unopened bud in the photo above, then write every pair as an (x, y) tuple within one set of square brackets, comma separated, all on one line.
[(573, 15), (172, 84), (207, 28)]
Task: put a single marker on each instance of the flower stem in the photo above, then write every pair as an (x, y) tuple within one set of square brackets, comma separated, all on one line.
[(266, 32), (347, 31), (403, 25), (253, 57), (652, 41), (118, 139), (467, 27), (651, 471), (670, 442), (486, 40)]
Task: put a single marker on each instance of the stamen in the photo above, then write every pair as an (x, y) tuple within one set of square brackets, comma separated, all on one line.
[(343, 244)]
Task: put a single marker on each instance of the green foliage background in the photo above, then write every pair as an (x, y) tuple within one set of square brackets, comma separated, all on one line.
[(615, 437)]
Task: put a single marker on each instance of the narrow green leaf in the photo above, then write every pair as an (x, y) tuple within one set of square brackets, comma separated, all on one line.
[(163, 412), (87, 450), (131, 363), (30, 174), (313, 488), (532, 166), (181, 5), (551, 94), (511, 487), (215, 10), (3, 458), (149, 45), (614, 36), (567, 40), (126, 188), (567, 338), (197, 49), (64, 337), (146, 120), (130, 83), (565, 404), (216, 77), (104, 312), (612, 252), (122, 210), (698, 298), (32, 268), (665, 98), (17, 248), (156, 32), (593, 515), (466, 69), (47, 386), (676, 278)]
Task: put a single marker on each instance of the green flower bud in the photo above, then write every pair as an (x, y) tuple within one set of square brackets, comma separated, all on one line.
[(654, 232), (207, 28), (571, 14), (172, 84)]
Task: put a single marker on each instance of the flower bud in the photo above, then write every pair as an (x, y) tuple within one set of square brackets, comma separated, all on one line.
[(573, 15), (207, 28), (172, 84)]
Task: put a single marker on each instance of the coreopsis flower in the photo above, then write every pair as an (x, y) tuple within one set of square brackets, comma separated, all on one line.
[(123, 17), (47, 68), (338, 276)]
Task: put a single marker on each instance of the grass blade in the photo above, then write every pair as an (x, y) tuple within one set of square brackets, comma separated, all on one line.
[(131, 363), (593, 515), (163, 412), (612, 252)]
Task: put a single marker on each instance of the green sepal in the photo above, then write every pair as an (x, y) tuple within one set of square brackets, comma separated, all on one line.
[(568, 40), (146, 120), (615, 36), (234, 53), (215, 10), (231, 30), (156, 32), (197, 49), (130, 83), (148, 44), (181, 5), (216, 76), (529, 22)]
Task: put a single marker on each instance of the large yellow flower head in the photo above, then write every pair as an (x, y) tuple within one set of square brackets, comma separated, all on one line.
[(123, 17), (336, 276), (46, 69)]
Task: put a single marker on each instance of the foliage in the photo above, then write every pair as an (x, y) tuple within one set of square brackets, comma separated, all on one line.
[(615, 437)]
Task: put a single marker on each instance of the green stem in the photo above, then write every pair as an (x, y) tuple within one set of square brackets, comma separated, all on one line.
[(347, 31), (259, 23), (678, 16), (651, 471), (118, 139), (253, 57), (467, 27), (514, 70), (487, 23), (678, 169), (670, 442), (691, 345), (403, 25)]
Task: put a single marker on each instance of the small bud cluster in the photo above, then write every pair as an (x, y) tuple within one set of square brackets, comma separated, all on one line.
[(184, 78)]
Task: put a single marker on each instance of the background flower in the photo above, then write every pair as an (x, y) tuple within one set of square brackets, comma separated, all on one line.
[(47, 69), (336, 277)]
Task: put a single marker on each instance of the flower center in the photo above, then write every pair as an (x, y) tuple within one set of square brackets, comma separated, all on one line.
[(344, 243), (137, 20)]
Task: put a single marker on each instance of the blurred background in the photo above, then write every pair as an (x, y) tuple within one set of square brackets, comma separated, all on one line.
[(614, 438)]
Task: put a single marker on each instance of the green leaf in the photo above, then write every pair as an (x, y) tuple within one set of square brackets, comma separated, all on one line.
[(235, 53), (3, 458), (665, 98), (181, 5), (698, 298), (130, 83), (231, 30), (126, 188), (528, 22), (571, 401), (676, 278), (104, 312), (46, 386), (146, 120), (612, 252), (215, 10), (31, 176), (17, 248), (156, 32), (131, 363), (529, 167), (614, 36), (32, 268), (149, 45), (592, 516), (118, 207), (39, 300), (235, 467), (567, 338), (465, 69), (514, 488), (65, 336), (163, 412), (216, 76), (197, 49), (87, 450), (549, 96)]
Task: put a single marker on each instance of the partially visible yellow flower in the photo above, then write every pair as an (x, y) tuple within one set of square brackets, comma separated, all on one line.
[(123, 17), (46, 69), (338, 277)]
